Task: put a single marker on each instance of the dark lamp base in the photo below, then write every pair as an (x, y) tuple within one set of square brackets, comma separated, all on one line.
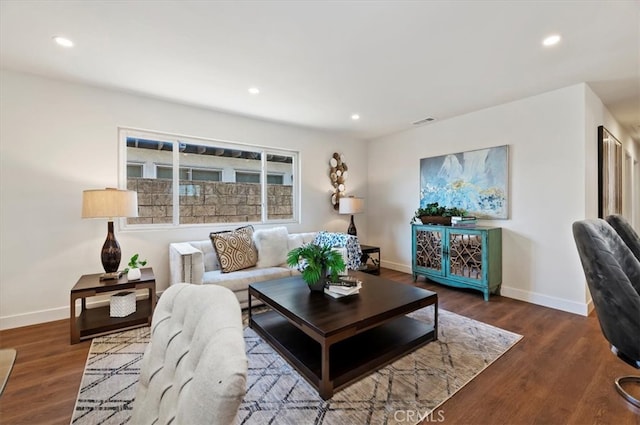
[(110, 254), (352, 228)]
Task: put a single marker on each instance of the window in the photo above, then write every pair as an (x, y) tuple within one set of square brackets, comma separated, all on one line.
[(186, 173), (196, 181), (244, 177), (134, 170), (166, 172), (247, 177), (205, 175), (274, 179)]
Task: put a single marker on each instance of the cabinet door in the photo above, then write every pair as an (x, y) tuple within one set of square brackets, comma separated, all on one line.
[(429, 244), (466, 255)]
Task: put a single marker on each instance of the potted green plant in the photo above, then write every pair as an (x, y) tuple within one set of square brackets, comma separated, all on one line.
[(314, 262), (133, 271), (433, 213)]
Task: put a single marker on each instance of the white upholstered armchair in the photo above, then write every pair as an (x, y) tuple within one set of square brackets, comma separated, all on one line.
[(194, 369)]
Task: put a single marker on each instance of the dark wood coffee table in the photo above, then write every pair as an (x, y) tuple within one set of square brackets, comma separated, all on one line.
[(333, 342)]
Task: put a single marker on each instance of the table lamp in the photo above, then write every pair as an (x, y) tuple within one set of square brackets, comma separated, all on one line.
[(351, 205), (109, 203)]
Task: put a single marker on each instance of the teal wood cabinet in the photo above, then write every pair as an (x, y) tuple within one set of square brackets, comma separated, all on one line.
[(457, 256)]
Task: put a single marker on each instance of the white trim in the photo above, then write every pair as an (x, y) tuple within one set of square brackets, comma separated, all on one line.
[(574, 307), (522, 295), (34, 318), (175, 189), (53, 314), (396, 266)]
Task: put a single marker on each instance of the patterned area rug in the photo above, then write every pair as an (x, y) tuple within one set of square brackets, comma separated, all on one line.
[(410, 388)]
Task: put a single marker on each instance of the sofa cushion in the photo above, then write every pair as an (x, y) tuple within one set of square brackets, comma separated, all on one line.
[(235, 249), (209, 255), (272, 246), (342, 240), (295, 241), (240, 280)]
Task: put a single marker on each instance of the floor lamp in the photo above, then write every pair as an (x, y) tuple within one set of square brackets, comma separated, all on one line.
[(109, 203), (351, 205)]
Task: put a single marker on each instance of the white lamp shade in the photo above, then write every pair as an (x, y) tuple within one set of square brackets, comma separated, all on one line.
[(351, 205), (109, 203)]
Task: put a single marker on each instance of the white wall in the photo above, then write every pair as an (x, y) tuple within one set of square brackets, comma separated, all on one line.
[(548, 181), (59, 138)]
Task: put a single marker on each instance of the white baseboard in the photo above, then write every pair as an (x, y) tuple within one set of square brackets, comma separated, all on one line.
[(396, 266), (574, 307), (50, 315), (519, 294), (33, 318)]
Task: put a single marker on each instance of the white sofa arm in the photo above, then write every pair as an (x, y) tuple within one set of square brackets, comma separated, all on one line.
[(186, 263)]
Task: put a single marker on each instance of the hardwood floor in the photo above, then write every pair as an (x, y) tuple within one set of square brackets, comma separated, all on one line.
[(562, 372)]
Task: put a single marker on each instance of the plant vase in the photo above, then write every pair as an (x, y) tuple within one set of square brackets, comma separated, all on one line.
[(134, 274), (436, 219), (319, 285)]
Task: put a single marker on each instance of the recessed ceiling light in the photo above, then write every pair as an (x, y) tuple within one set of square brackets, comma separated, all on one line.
[(254, 90), (551, 40), (62, 41), (355, 117)]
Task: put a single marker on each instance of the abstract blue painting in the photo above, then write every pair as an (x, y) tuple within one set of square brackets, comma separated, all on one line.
[(476, 181)]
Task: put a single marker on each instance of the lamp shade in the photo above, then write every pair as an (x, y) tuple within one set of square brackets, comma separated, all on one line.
[(351, 205), (109, 203)]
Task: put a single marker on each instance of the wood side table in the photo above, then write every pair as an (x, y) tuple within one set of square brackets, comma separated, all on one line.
[(92, 322), (370, 264)]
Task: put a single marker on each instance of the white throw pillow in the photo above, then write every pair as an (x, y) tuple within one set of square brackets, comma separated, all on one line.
[(296, 240), (272, 245)]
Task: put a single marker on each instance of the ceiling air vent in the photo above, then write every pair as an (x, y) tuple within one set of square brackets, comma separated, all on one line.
[(423, 121)]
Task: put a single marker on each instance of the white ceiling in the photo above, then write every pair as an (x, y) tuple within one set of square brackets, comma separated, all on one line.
[(318, 62)]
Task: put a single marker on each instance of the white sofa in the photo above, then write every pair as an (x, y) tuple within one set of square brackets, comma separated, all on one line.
[(196, 262)]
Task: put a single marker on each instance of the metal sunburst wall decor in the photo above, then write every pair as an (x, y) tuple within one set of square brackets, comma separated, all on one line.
[(338, 175)]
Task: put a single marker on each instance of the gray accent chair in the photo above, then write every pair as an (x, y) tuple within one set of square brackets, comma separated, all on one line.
[(194, 370), (613, 276), (625, 231)]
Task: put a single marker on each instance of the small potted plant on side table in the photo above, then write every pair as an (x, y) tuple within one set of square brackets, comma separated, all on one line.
[(133, 271)]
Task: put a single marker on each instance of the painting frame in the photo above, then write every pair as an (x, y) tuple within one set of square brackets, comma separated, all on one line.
[(476, 181), (609, 173)]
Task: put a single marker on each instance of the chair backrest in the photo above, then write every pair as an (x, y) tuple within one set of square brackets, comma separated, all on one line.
[(194, 369), (625, 231), (613, 277)]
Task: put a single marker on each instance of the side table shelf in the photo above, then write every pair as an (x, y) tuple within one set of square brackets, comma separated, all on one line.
[(370, 264), (96, 321)]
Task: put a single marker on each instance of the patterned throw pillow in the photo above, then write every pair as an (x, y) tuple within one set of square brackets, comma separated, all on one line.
[(235, 249)]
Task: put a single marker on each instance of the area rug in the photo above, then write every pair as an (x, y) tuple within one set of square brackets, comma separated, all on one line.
[(411, 387), (7, 358)]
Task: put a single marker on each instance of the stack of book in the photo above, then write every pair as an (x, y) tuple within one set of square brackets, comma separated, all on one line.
[(347, 286), (466, 221)]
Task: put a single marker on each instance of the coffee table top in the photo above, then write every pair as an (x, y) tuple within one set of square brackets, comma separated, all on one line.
[(379, 300)]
